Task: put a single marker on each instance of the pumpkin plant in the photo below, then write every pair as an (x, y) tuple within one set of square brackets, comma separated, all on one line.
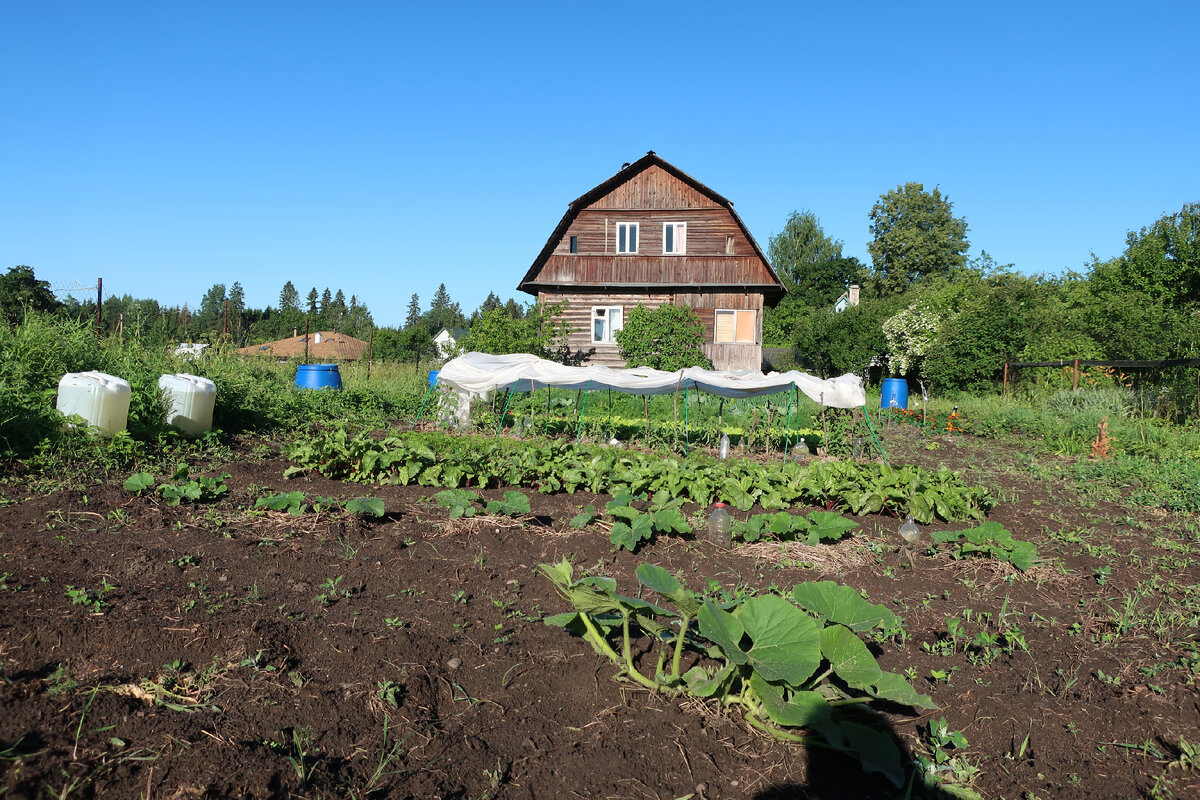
[(791, 664)]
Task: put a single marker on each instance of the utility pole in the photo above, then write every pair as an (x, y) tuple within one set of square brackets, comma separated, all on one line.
[(99, 300)]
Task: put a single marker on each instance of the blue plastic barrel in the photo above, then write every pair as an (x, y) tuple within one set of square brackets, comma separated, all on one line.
[(433, 373), (895, 393), (318, 376)]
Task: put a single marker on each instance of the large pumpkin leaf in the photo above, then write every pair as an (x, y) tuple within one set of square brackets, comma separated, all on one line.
[(829, 525), (786, 644), (801, 710), (891, 686), (849, 657), (724, 630), (876, 750), (836, 603)]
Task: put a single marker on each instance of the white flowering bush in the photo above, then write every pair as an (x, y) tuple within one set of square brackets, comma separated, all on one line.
[(910, 334)]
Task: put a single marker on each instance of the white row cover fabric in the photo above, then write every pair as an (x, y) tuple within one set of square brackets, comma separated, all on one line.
[(479, 373)]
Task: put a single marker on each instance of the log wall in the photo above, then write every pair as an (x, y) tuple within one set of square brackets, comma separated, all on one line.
[(578, 313)]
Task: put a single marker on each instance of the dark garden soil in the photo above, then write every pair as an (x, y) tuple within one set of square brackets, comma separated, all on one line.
[(271, 656)]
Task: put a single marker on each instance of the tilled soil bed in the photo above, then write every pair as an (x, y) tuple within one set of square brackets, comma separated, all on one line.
[(210, 651)]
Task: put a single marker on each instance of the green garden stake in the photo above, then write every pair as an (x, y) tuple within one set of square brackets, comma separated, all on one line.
[(421, 410), (504, 413), (873, 436), (582, 407), (787, 439), (686, 441)]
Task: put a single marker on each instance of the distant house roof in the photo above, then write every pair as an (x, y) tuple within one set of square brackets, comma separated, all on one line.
[(846, 299), (454, 333), (329, 345)]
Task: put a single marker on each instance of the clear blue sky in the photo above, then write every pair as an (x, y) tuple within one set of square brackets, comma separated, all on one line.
[(386, 147)]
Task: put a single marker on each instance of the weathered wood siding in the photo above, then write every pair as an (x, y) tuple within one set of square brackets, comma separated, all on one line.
[(578, 313), (720, 268), (652, 188), (649, 270), (727, 356), (707, 231)]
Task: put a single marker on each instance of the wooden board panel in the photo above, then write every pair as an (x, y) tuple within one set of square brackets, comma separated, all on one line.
[(650, 270), (578, 313), (707, 231), (734, 356), (654, 188)]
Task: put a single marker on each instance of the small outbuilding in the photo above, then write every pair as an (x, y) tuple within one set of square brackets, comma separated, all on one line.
[(446, 339)]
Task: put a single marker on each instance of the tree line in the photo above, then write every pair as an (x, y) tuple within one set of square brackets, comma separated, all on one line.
[(932, 314), (222, 316), (927, 311)]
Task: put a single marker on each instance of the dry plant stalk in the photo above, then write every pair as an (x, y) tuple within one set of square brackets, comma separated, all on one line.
[(1101, 446)]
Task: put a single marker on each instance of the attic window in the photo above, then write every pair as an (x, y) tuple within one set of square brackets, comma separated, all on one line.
[(728, 245), (627, 237), (574, 244)]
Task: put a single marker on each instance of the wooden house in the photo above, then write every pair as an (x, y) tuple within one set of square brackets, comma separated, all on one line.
[(653, 234)]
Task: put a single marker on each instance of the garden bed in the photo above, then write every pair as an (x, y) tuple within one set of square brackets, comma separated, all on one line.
[(211, 650)]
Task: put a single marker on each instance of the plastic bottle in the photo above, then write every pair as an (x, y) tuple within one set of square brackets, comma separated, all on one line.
[(909, 531), (724, 446), (720, 526)]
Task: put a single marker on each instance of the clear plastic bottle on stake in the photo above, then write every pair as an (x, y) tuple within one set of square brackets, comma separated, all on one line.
[(724, 448), (720, 526)]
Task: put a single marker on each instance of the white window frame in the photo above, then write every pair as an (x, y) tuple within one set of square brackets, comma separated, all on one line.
[(739, 314), (679, 236), (617, 243), (605, 313)]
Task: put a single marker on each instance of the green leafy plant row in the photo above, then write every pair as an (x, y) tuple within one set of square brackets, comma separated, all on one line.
[(443, 460), (789, 664)]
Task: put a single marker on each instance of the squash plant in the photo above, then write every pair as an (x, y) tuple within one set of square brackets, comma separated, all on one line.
[(817, 527), (991, 539), (789, 664)]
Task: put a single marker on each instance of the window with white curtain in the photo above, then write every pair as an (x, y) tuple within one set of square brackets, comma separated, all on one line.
[(674, 238), (606, 321)]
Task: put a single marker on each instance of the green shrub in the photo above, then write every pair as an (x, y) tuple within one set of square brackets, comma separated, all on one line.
[(669, 337)]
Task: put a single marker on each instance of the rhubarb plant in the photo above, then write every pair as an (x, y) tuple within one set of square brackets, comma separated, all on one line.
[(790, 664)]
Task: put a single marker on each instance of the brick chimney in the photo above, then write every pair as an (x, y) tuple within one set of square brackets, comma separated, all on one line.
[(852, 294)]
